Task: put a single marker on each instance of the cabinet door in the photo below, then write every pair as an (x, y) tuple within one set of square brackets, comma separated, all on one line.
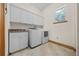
[(26, 17), (20, 15), (18, 41), (40, 19), (37, 20), (15, 14)]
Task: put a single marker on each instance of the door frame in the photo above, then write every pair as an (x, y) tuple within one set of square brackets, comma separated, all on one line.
[(2, 30)]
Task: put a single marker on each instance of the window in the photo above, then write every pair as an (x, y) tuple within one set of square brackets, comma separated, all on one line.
[(60, 15)]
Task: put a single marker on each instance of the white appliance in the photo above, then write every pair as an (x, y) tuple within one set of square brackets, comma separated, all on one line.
[(34, 37), (45, 37), (17, 40)]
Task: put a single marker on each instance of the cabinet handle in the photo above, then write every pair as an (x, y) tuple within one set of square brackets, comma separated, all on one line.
[(5, 8)]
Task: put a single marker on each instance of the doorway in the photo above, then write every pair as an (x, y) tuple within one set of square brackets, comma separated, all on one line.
[(2, 30)]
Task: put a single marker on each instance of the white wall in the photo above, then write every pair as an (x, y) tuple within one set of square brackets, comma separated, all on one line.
[(28, 7), (62, 32)]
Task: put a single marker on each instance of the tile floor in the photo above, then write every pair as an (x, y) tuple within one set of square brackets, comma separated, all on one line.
[(48, 49)]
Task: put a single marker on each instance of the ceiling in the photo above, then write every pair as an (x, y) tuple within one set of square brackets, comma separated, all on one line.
[(40, 6)]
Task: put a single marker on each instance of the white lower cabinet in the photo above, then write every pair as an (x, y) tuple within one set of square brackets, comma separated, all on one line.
[(17, 41)]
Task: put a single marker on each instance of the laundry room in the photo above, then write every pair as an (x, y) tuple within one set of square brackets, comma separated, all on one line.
[(40, 29)]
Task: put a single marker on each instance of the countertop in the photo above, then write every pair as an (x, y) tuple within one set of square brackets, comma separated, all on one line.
[(18, 30)]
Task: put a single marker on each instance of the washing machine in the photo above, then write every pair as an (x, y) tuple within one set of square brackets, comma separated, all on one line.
[(35, 38), (45, 37)]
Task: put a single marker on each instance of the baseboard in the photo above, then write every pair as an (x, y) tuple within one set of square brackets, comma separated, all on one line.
[(62, 44)]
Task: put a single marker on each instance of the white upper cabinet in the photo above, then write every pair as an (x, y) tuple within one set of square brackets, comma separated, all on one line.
[(40, 19), (15, 14), (37, 20), (23, 16), (20, 15), (26, 17)]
